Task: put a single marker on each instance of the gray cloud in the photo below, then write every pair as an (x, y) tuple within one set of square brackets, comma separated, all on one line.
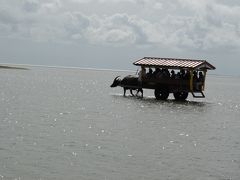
[(31, 5), (177, 24)]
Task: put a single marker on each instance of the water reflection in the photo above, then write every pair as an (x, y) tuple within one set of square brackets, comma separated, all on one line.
[(151, 99)]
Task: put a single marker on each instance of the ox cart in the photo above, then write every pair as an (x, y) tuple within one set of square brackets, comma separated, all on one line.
[(170, 75)]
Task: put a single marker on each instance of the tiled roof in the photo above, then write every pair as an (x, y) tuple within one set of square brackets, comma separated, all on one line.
[(174, 63)]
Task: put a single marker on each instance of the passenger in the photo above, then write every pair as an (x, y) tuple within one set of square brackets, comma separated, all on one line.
[(195, 76), (178, 76), (150, 73), (182, 73), (187, 75), (166, 73), (141, 74), (195, 79), (173, 75), (201, 77), (157, 70), (159, 75)]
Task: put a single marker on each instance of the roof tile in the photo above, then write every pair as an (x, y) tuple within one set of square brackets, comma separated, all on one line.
[(173, 63)]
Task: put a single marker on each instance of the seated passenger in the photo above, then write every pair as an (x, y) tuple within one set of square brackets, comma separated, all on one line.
[(157, 73), (178, 76), (182, 73), (173, 75), (165, 73), (201, 77), (150, 73), (187, 75), (141, 74), (157, 70), (195, 76)]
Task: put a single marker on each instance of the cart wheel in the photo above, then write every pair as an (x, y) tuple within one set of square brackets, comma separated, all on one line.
[(180, 96), (161, 94)]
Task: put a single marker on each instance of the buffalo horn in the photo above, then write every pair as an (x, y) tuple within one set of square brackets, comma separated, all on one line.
[(116, 78)]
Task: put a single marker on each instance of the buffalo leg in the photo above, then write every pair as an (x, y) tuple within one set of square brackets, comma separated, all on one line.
[(131, 92), (124, 91), (140, 90)]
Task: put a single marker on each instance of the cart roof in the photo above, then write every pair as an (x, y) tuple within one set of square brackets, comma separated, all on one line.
[(173, 63)]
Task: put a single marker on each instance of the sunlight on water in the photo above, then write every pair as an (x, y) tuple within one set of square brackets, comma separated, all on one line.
[(69, 124)]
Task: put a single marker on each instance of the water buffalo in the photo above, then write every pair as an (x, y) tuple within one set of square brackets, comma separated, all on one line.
[(129, 82)]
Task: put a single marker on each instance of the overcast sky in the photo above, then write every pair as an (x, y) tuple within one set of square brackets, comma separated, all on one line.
[(114, 33)]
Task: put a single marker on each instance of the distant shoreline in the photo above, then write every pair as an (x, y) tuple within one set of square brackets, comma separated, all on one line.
[(12, 67), (15, 66), (28, 67)]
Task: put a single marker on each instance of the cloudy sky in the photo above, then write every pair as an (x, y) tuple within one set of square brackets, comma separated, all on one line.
[(112, 34)]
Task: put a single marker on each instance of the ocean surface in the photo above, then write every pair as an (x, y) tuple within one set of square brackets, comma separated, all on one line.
[(68, 124)]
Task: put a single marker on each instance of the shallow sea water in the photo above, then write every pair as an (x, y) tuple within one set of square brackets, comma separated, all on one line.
[(69, 124)]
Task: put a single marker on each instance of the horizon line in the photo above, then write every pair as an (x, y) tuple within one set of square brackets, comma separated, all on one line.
[(67, 67), (90, 68)]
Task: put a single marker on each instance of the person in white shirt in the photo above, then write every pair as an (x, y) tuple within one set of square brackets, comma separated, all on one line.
[(141, 74)]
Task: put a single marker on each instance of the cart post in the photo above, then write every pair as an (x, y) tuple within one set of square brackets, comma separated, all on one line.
[(204, 78), (191, 80)]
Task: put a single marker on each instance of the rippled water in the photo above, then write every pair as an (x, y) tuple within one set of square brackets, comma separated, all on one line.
[(69, 124)]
